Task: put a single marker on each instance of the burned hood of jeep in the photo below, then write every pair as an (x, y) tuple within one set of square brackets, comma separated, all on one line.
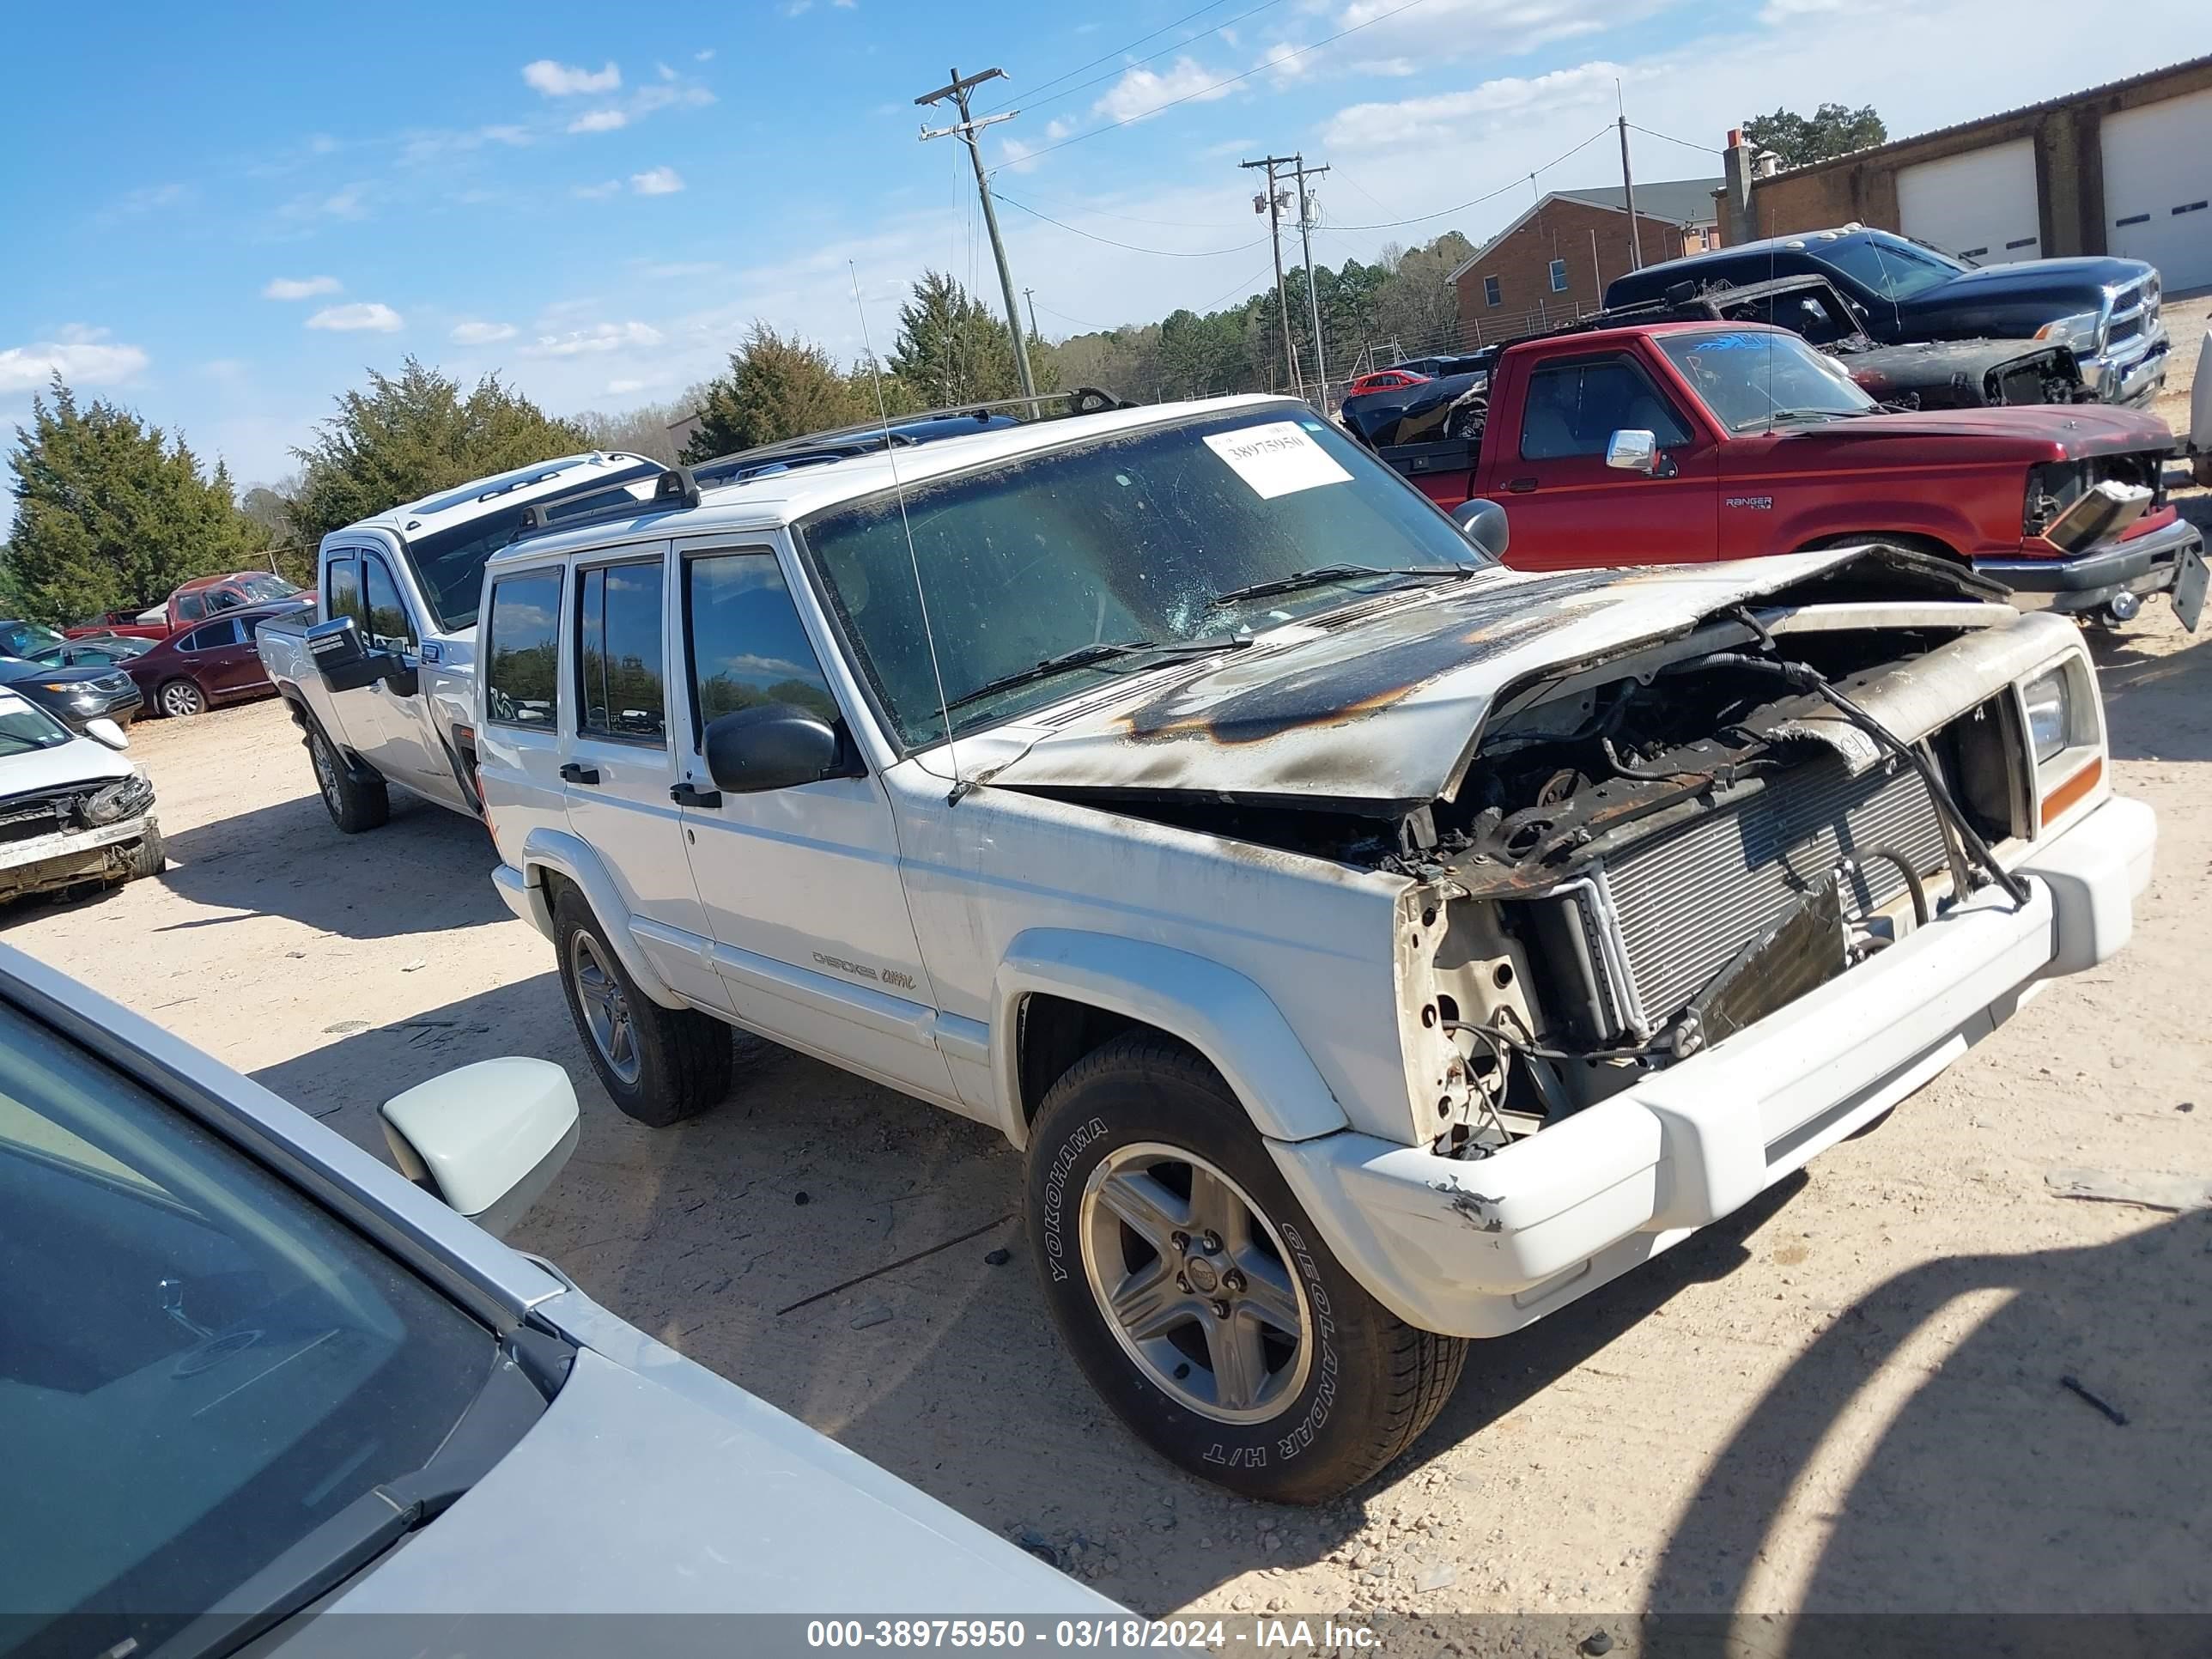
[(1382, 714)]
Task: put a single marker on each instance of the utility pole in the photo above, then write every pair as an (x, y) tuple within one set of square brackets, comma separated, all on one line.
[(1313, 300), (967, 127), (1271, 205), (1036, 333), (1628, 191)]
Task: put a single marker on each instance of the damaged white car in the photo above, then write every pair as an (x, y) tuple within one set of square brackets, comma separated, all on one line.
[(72, 810), (1370, 948)]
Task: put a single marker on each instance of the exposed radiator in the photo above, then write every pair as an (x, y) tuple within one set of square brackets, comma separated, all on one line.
[(1655, 922)]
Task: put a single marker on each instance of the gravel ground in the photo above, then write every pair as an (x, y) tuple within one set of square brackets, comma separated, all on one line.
[(1846, 1397)]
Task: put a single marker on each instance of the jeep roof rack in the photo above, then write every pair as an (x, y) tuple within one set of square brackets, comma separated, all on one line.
[(866, 437)]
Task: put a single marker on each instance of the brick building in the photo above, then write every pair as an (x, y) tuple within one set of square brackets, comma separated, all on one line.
[(2124, 168), (1552, 264)]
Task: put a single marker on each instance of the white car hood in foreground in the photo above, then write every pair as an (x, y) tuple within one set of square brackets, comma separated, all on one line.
[(652, 1486), (81, 760), (1384, 712)]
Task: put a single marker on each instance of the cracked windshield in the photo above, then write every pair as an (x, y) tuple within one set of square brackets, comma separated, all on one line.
[(1045, 575)]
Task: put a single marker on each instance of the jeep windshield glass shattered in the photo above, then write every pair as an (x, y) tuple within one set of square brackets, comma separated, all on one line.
[(1156, 543), (1753, 377)]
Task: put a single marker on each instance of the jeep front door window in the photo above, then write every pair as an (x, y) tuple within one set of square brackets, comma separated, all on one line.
[(801, 886)]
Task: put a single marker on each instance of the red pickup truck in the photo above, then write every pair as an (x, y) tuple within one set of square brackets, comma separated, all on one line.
[(194, 601), (1677, 441)]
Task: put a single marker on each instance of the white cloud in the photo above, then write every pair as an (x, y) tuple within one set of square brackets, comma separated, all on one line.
[(1015, 156), (1058, 129), (474, 334), (81, 355), (1414, 123), (563, 80), (300, 288), (650, 99), (705, 55), (680, 270), (1285, 63), (354, 319), (1441, 31), (1781, 11), (624, 388), (431, 146), (598, 192), (664, 71), (599, 121), (600, 336), (1142, 92), (656, 181)]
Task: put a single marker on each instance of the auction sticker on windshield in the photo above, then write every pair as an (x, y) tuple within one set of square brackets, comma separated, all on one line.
[(1276, 459)]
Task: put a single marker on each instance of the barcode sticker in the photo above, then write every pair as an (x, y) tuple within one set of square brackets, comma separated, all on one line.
[(1276, 459)]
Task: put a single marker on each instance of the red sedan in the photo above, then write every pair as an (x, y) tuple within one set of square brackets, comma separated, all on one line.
[(210, 662), (1384, 380)]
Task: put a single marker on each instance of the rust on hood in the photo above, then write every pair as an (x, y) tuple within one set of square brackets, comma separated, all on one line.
[(1380, 713)]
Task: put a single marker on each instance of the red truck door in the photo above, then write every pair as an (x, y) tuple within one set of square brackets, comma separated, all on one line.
[(1566, 507)]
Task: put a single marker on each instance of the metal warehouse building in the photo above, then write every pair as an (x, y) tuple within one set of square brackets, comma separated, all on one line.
[(2125, 169)]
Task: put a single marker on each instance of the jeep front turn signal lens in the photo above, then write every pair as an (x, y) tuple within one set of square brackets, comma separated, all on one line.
[(2073, 791)]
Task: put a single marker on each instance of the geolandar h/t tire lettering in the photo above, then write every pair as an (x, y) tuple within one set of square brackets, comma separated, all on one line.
[(658, 1065), (1196, 1294)]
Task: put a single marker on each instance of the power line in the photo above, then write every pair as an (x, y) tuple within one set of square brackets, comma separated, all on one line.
[(1131, 218), (1118, 51), (1229, 81), (1234, 287), (1120, 69), (1164, 252), (1489, 196), (1684, 142)]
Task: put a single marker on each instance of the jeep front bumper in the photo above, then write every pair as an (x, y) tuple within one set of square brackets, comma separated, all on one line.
[(1480, 1248)]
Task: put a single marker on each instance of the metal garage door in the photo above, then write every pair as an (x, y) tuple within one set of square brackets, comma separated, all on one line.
[(1981, 203), (2157, 183)]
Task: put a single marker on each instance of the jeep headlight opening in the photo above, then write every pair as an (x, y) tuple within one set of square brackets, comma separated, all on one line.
[(2050, 702)]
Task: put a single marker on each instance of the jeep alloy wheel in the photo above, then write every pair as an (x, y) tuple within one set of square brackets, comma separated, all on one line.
[(1190, 1277)]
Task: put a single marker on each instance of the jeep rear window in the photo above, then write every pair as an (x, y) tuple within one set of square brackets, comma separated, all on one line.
[(1122, 539)]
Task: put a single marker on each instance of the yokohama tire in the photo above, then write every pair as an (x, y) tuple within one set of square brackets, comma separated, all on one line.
[(674, 1064), (1370, 1383)]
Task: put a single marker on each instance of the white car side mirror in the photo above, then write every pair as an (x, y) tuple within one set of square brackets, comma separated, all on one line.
[(106, 731), (486, 1139)]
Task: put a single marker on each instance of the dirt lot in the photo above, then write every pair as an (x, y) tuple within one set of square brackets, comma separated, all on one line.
[(1848, 1396)]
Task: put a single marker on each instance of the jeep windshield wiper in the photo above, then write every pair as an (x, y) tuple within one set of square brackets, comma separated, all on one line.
[(1322, 575), (1083, 656)]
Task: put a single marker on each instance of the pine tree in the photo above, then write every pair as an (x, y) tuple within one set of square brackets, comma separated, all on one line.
[(778, 386), (110, 514), (950, 349), (403, 439)]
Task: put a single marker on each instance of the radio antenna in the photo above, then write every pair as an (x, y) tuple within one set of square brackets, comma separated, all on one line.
[(913, 559)]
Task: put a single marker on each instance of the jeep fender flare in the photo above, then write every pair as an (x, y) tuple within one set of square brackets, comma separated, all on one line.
[(567, 856), (1227, 1019)]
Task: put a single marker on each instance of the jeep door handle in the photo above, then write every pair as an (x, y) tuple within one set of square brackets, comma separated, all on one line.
[(572, 773), (688, 793), (1521, 486)]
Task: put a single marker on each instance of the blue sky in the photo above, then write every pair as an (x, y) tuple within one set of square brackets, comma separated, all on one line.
[(221, 217)]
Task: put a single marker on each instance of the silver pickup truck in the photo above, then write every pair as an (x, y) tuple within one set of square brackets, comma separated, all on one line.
[(381, 683)]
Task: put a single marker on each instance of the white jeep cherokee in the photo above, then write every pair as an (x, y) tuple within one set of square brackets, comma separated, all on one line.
[(1370, 947)]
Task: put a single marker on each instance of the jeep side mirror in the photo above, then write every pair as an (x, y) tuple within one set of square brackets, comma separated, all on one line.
[(1632, 451), (1482, 521), (774, 746), (488, 1138)]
